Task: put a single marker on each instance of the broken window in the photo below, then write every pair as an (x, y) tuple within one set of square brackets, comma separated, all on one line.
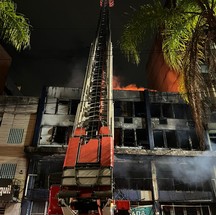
[(139, 109), (167, 110), (194, 139), (184, 139), (171, 139), (117, 136), (134, 175), (62, 107), (128, 120), (141, 136), (188, 112), (117, 109), (187, 139), (129, 138), (155, 110), (50, 106), (73, 107), (61, 134), (55, 135), (158, 139), (179, 111), (127, 108)]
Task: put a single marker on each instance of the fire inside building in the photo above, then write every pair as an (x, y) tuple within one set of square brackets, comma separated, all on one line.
[(104, 151)]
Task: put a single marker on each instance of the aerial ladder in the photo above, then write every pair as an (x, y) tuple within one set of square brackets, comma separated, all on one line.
[(87, 178)]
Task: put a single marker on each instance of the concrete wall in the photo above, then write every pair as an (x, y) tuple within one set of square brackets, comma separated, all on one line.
[(159, 76)]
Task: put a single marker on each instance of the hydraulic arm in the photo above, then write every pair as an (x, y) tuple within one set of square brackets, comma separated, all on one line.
[(87, 179)]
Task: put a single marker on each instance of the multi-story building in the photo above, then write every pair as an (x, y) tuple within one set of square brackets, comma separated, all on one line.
[(157, 164), (17, 122)]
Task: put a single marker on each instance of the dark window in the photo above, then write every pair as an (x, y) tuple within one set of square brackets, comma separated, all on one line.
[(165, 184), (171, 139), (127, 108), (128, 120), (179, 111), (205, 210), (73, 107), (188, 112), (155, 110), (129, 138), (194, 139), (180, 186), (117, 108), (117, 136), (191, 211), (121, 183), (184, 140), (142, 138), (61, 134), (179, 210), (167, 110), (123, 108), (158, 139), (139, 109)]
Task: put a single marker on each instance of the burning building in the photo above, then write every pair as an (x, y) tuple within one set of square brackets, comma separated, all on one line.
[(158, 165), (131, 152)]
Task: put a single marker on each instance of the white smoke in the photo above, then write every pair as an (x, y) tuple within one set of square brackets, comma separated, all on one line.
[(191, 170)]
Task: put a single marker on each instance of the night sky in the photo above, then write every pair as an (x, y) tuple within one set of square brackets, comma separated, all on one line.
[(62, 32)]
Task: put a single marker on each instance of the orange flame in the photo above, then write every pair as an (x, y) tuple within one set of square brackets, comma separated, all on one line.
[(117, 85)]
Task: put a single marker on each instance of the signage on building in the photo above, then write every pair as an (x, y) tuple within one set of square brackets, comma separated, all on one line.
[(6, 191), (142, 210)]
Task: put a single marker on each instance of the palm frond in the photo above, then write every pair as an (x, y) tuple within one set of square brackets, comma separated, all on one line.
[(14, 27), (144, 21)]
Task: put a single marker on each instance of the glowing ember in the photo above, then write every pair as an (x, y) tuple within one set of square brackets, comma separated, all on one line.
[(117, 85)]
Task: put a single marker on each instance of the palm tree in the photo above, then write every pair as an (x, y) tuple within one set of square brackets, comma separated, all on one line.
[(14, 27), (188, 32)]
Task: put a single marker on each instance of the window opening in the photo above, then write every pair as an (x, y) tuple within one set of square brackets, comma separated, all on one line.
[(73, 107), (128, 120), (129, 138), (142, 138), (155, 110), (117, 109), (139, 109), (63, 107), (171, 139), (117, 136), (167, 110), (179, 111), (61, 134), (158, 139)]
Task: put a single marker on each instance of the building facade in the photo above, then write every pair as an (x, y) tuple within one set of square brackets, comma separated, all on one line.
[(17, 122), (158, 163)]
